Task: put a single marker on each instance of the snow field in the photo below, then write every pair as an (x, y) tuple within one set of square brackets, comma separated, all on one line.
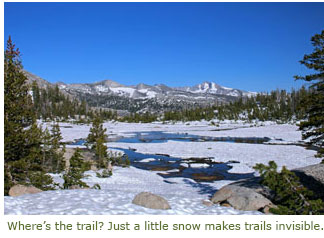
[(184, 195)]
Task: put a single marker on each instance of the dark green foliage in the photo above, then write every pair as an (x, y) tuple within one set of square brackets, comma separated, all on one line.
[(313, 127), (97, 140), (58, 163), (119, 159), (277, 106), (291, 197), (96, 186), (104, 174), (136, 117), (22, 144), (132, 105), (52, 151), (51, 104), (75, 172), (196, 114)]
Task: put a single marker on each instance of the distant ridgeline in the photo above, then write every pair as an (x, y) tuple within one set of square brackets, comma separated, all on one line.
[(277, 105), (51, 103)]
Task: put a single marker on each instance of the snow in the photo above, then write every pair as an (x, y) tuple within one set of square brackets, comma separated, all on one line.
[(101, 88), (184, 195), (127, 91), (149, 94), (233, 93), (123, 90), (116, 195), (247, 154), (249, 94)]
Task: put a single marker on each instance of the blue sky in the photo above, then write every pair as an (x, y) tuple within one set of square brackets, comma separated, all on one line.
[(251, 46)]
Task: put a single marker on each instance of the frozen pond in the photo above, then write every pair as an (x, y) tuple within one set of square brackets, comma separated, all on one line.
[(161, 137), (198, 169)]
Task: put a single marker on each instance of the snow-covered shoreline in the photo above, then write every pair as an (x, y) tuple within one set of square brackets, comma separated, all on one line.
[(184, 194)]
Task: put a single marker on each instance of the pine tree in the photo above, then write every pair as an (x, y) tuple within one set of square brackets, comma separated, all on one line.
[(22, 151), (313, 127), (290, 195), (57, 153), (46, 147), (75, 172), (36, 98), (97, 139)]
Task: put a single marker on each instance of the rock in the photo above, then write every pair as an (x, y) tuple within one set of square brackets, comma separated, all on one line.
[(222, 195), (225, 204), (150, 200), (201, 177), (109, 167), (254, 184), (19, 189), (241, 198), (88, 155), (207, 203), (67, 156), (312, 177), (266, 209)]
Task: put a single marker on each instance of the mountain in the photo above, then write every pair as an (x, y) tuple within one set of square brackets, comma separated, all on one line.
[(145, 91), (143, 97), (213, 88), (42, 83)]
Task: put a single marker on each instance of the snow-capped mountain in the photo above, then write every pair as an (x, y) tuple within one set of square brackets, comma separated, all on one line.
[(145, 91), (111, 94), (213, 88)]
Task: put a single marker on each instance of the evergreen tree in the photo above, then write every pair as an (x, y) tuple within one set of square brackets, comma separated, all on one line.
[(57, 153), (46, 147), (97, 139), (52, 152), (75, 172), (313, 127), (290, 195), (22, 153)]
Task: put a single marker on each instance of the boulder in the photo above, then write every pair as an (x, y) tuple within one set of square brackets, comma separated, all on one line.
[(109, 167), (67, 156), (207, 203), (245, 195), (249, 194), (312, 177), (150, 200), (19, 189), (254, 184)]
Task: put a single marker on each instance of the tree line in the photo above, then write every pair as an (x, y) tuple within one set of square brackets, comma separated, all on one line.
[(51, 104), (278, 105)]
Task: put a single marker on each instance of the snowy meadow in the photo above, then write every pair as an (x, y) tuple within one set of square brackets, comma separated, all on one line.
[(185, 163)]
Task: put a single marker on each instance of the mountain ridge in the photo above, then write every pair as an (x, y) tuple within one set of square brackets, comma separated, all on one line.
[(144, 97)]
